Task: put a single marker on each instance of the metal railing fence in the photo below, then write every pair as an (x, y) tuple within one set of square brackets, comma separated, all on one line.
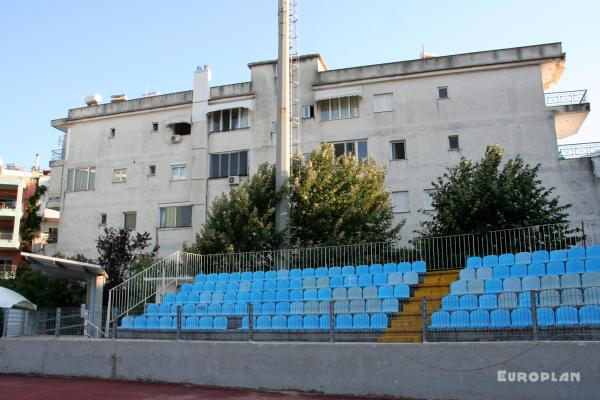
[(439, 253), (565, 98), (11, 205), (43, 321), (578, 150)]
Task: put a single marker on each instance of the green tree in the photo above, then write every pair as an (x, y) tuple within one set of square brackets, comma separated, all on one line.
[(336, 200), (482, 196), (120, 250), (31, 221), (243, 219)]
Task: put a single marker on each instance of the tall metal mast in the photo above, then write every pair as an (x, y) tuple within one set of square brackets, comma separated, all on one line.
[(282, 159)]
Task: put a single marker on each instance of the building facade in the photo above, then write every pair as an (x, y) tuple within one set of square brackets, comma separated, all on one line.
[(156, 163)]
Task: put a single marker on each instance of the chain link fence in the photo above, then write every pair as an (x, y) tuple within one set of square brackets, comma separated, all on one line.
[(62, 321)]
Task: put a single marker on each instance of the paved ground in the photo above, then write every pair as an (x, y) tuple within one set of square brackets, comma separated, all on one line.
[(17, 387)]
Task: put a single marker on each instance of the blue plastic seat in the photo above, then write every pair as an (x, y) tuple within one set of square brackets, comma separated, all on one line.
[(294, 322), (540, 256), (474, 262), (309, 283), (152, 309), (507, 300), (321, 272), (220, 323), (209, 286), (256, 296), (242, 297), (404, 267), (258, 285), (550, 282), (308, 272), (525, 299), (549, 298), (211, 277), (592, 295), (506, 259), (324, 294), (570, 281), (214, 309), (241, 309), (165, 322), (201, 309), (511, 285), (467, 274), (340, 293), (270, 275), (501, 272), (282, 295), (152, 322), (232, 286), (283, 274), (282, 308), (440, 320), (545, 317), (341, 307), (410, 278), (375, 269), (390, 305), (372, 306), (295, 283), (193, 297), (450, 303), (468, 302), (388, 268), (335, 271), (567, 316), (385, 292), (395, 278), (336, 282), (576, 253), (348, 270), (324, 322), (244, 286), (402, 291), (258, 275), (523, 257), (479, 319), (192, 323), (558, 255), (246, 322), (217, 297), (270, 284), (380, 279), (500, 318), (490, 261), (310, 294), (263, 322), (174, 308), (589, 315), (518, 271), (379, 321), (164, 309), (520, 317), (188, 309), (555, 268), (419, 267), (488, 301), (235, 277), (197, 287), (484, 273), (530, 283), (590, 279), (246, 276), (458, 287), (593, 252), (295, 273), (459, 319), (279, 322), (365, 280), (200, 278), (575, 266), (223, 276), (571, 297), (310, 322), (296, 295), (350, 281), (269, 295), (362, 270), (186, 287), (297, 307), (181, 298), (360, 321), (476, 286), (592, 265), (536, 269), (355, 293), (343, 321), (229, 297)]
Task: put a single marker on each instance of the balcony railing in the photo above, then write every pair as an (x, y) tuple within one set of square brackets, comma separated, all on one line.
[(11, 205), (578, 150), (6, 235), (566, 98), (58, 154)]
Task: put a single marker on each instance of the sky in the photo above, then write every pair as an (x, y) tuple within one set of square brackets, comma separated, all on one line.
[(54, 53)]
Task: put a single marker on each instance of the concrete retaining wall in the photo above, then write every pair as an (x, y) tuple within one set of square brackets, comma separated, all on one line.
[(430, 371)]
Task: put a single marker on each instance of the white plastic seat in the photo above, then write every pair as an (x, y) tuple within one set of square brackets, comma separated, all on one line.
[(550, 282), (476, 286)]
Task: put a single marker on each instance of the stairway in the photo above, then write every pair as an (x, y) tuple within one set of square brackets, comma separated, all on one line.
[(407, 326)]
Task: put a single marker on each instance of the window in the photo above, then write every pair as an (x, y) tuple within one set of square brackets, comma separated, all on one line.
[(443, 92), (103, 218), (339, 108), (308, 112), (182, 128), (129, 219), (400, 202), (120, 175), (399, 150), (113, 133), (151, 170), (229, 164), (79, 179), (155, 127), (357, 148), (453, 143), (228, 120), (175, 217), (427, 203), (383, 102), (52, 235), (179, 171)]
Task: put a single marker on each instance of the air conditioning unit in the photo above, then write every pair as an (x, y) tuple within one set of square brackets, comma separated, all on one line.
[(175, 138), (234, 180)]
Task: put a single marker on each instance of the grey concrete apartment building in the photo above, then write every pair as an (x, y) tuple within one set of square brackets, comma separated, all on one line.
[(156, 163)]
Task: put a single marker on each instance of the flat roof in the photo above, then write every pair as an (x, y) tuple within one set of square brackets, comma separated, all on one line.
[(64, 268)]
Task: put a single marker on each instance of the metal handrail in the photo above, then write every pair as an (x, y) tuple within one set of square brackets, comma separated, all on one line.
[(578, 150), (6, 235), (553, 99), (8, 204)]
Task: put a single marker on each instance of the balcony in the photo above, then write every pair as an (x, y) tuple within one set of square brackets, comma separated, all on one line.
[(578, 150), (7, 242), (570, 110), (8, 208)]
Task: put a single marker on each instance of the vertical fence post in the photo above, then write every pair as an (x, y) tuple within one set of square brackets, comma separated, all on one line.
[(114, 325), (57, 323), (331, 322), (534, 321), (250, 321), (583, 234), (178, 321), (424, 318)]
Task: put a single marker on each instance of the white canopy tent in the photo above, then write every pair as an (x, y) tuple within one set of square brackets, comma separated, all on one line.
[(12, 299)]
